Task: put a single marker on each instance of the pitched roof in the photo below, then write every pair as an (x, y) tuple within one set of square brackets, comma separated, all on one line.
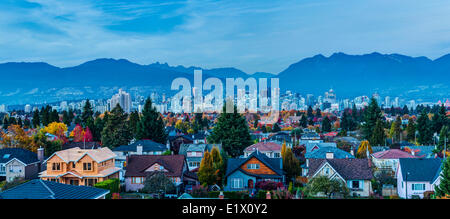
[(42, 189), (147, 145), (349, 169), (25, 156), (263, 147), (392, 154), (421, 169), (234, 164), (184, 148), (137, 164), (322, 152), (422, 151), (74, 154), (83, 145)]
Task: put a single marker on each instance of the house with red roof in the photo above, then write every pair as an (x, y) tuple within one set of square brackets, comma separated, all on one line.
[(270, 149), (388, 160)]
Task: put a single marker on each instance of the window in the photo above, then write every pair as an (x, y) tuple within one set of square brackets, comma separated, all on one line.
[(6, 156), (252, 166), (2, 168), (418, 187), (90, 182), (137, 180), (56, 166), (73, 165), (355, 184), (327, 171), (236, 183), (276, 155), (87, 166), (15, 169)]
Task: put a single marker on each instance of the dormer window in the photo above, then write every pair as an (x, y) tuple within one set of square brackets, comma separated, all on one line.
[(6, 156), (161, 168)]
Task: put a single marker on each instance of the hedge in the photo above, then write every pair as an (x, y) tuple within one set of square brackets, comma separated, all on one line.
[(111, 184)]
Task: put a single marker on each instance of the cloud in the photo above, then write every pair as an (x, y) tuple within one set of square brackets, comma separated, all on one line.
[(253, 35)]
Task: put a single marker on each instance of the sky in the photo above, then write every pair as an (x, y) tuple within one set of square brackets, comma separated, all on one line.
[(251, 35)]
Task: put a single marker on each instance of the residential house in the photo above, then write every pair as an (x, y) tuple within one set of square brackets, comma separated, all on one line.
[(416, 176), (310, 136), (356, 174), (270, 149), (176, 142), (194, 153), (421, 151), (388, 160), (141, 147), (77, 166), (21, 163), (244, 173), (42, 189), (173, 166)]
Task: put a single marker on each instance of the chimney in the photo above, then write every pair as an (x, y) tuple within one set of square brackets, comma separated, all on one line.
[(329, 155), (221, 196), (413, 153), (352, 152), (268, 195), (40, 154), (139, 150)]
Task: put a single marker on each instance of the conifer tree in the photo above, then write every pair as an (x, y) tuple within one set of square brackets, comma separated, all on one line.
[(371, 116), (276, 128), (87, 113), (151, 125), (364, 149), (36, 119), (326, 124), (379, 136), (396, 130), (232, 131), (304, 121), (133, 121), (217, 164), (411, 130), (444, 139), (444, 187), (291, 165), (424, 129)]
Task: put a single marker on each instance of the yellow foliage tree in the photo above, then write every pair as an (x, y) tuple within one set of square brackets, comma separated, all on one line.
[(55, 128), (283, 149), (17, 138), (363, 148)]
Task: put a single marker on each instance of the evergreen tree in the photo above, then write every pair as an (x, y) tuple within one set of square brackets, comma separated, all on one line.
[(318, 113), (439, 120), (54, 116), (27, 123), (99, 124), (218, 164), (116, 131), (232, 131), (304, 121), (291, 165), (19, 122), (411, 130), (326, 124), (372, 115), (87, 114), (276, 128), (71, 115), (151, 125), (444, 187), (444, 139), (379, 136), (309, 112), (133, 121), (66, 118), (5, 122), (364, 149), (405, 110), (36, 119), (423, 127)]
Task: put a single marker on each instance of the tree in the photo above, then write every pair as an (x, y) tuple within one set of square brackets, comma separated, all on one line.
[(218, 164), (88, 135), (87, 114), (444, 187), (318, 113), (309, 112), (326, 124), (283, 149), (206, 172), (158, 183), (423, 127), (364, 149), (411, 130), (66, 118), (396, 130), (54, 116), (371, 116), (133, 121), (77, 133), (116, 131), (276, 128), (151, 126), (291, 165), (99, 124), (322, 184), (444, 139), (45, 115), (16, 137), (232, 131), (303, 121), (379, 136), (439, 120)]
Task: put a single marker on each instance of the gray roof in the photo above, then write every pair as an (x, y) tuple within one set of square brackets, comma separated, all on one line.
[(25, 156), (309, 146), (147, 145), (420, 169), (42, 189), (349, 169), (184, 148)]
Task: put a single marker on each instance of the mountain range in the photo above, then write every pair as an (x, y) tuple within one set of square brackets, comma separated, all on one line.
[(349, 75)]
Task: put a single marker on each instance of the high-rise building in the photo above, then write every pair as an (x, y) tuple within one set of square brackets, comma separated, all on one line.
[(3, 108), (27, 108), (123, 99)]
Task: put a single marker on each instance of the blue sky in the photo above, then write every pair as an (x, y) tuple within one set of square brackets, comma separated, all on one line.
[(252, 35)]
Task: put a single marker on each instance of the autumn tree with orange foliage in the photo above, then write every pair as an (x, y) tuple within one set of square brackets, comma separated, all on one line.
[(16, 137)]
